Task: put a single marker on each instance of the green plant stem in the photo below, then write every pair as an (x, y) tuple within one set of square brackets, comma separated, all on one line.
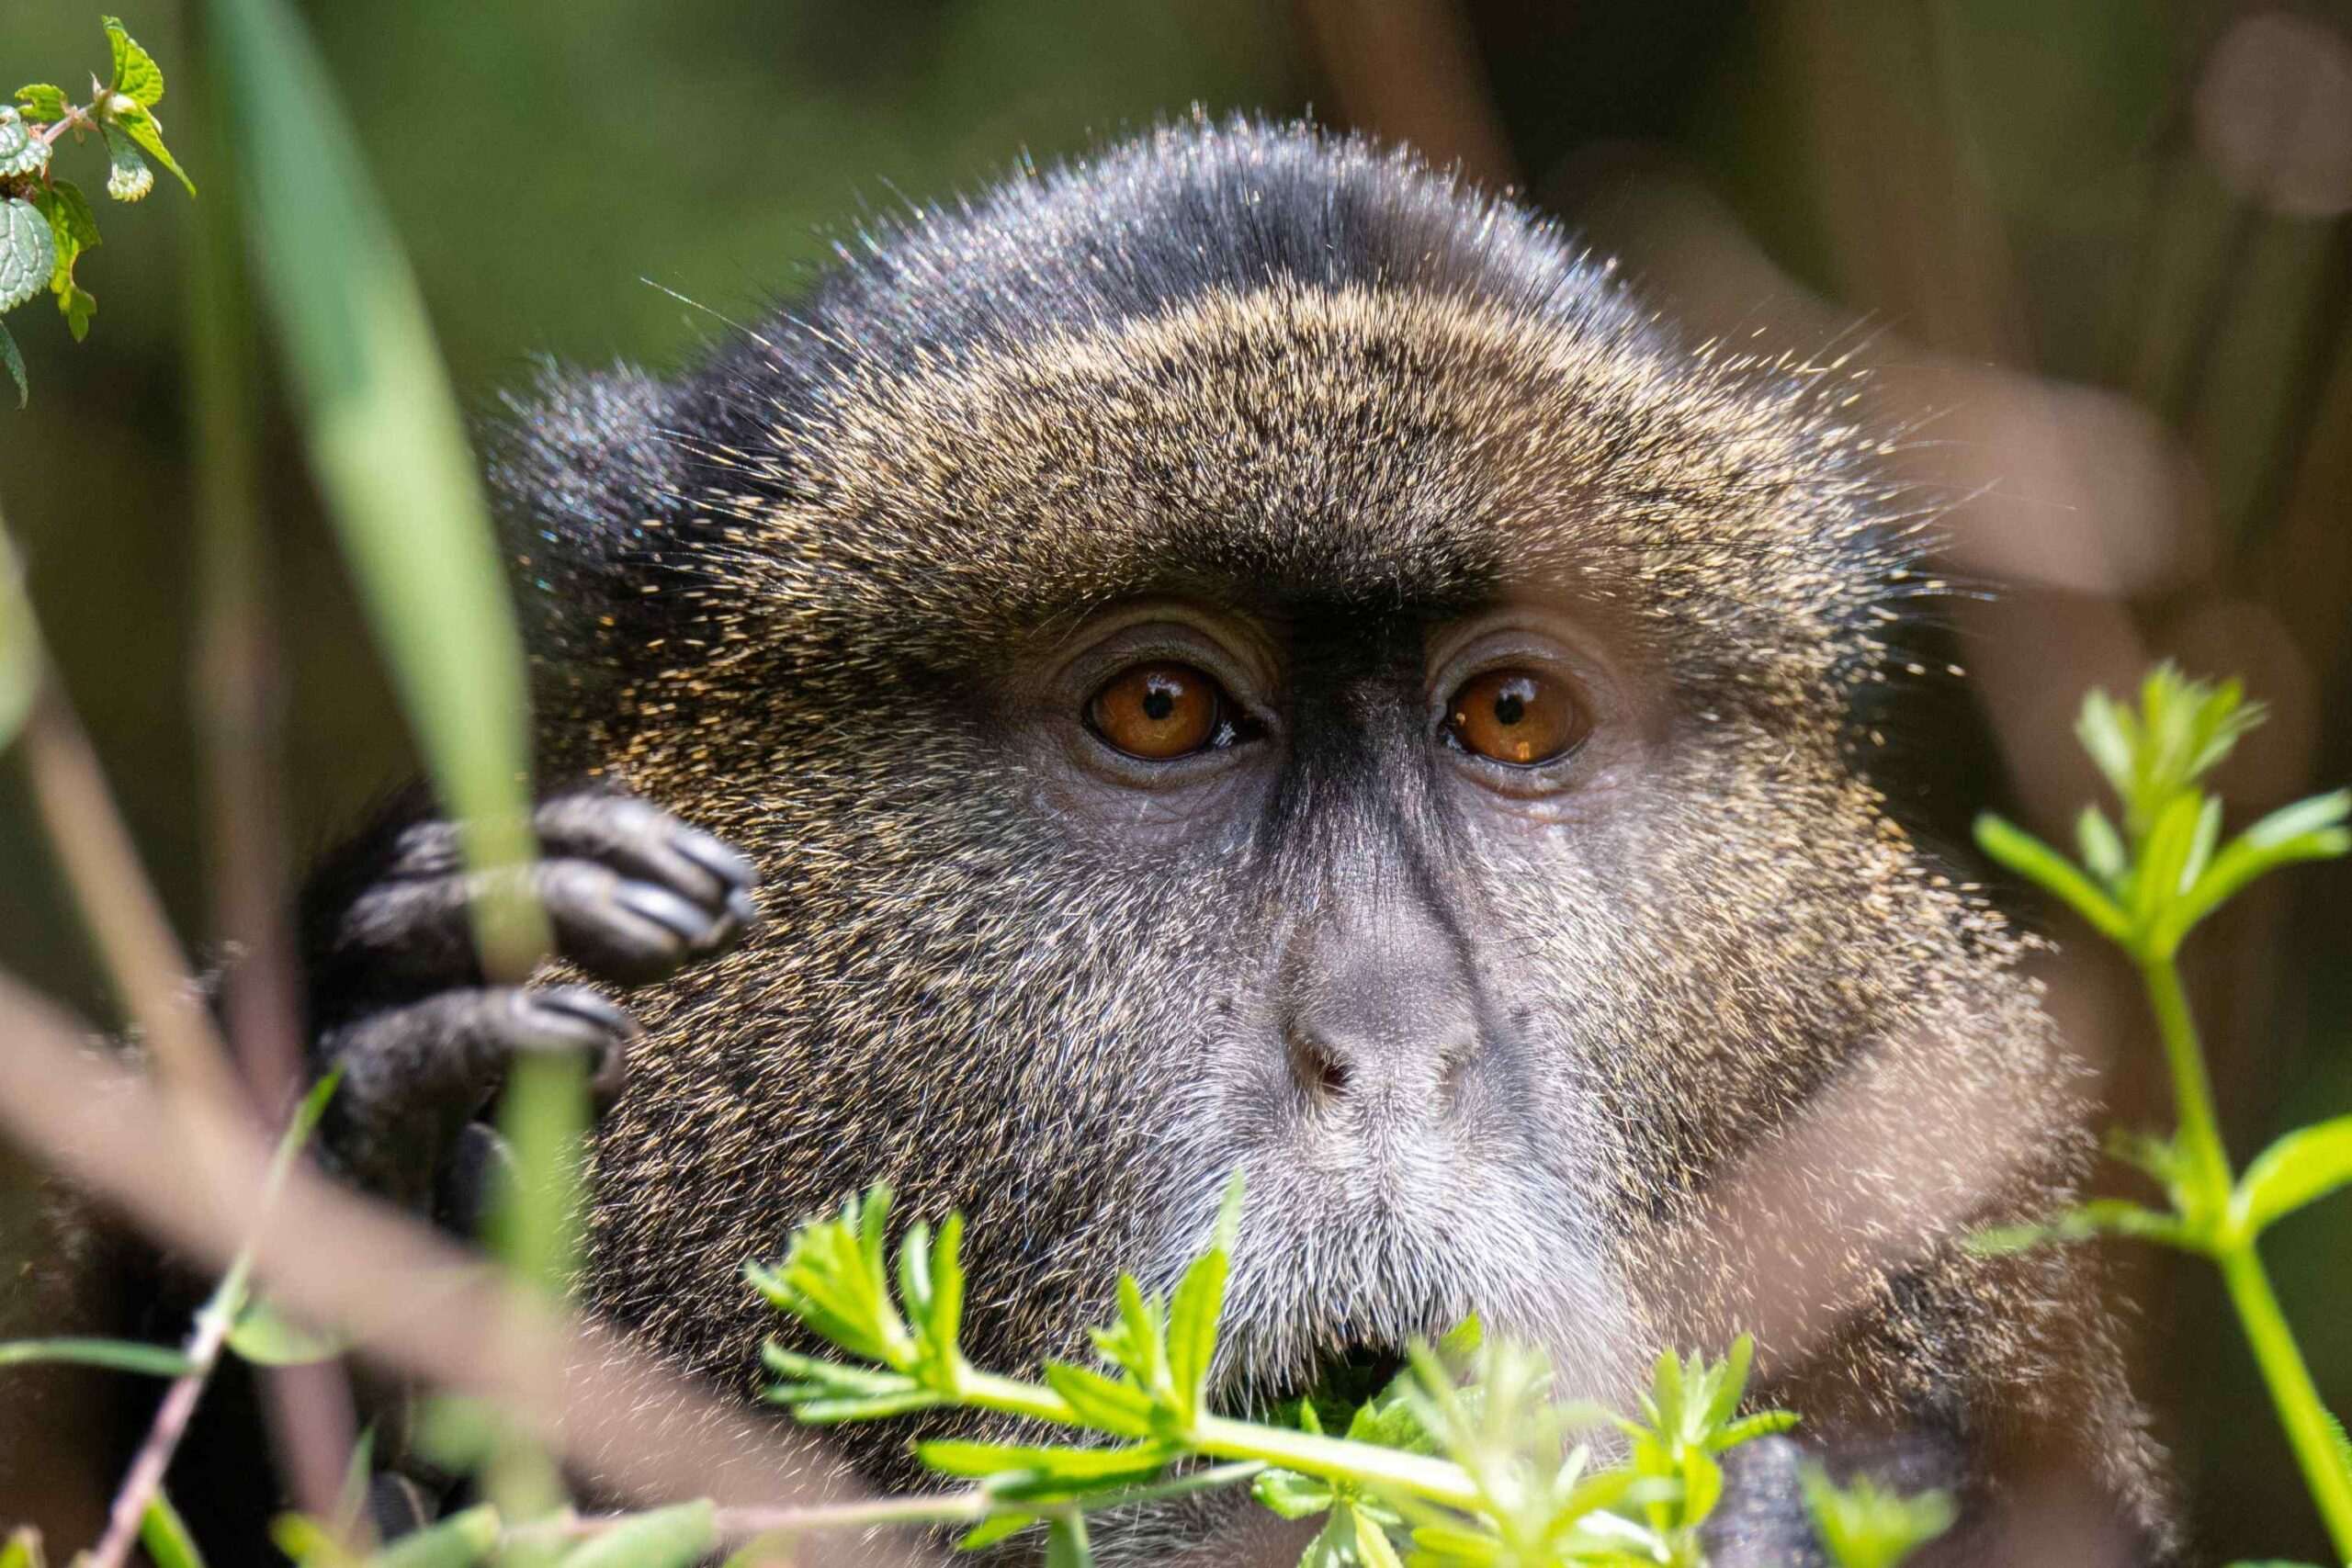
[(2192, 1088), (2327, 1469), (1218, 1437), (2314, 1434)]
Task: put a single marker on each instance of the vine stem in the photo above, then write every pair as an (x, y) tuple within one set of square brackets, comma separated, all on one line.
[(2311, 1431), (1333, 1459)]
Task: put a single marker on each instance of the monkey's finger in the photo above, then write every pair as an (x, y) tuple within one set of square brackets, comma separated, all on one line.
[(419, 933), (413, 1075), (644, 841)]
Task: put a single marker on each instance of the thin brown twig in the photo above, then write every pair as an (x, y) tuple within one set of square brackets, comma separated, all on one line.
[(135, 942), (187, 1172)]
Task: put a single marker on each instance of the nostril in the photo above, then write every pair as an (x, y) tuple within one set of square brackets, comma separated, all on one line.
[(1318, 1071)]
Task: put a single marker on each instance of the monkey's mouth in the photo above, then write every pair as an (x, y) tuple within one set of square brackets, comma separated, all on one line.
[(1336, 1383)]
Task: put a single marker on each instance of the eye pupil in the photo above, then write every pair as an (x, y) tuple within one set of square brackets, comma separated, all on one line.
[(1509, 708), (1157, 703)]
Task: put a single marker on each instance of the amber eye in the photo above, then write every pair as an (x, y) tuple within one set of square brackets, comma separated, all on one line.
[(1160, 711), (1516, 717)]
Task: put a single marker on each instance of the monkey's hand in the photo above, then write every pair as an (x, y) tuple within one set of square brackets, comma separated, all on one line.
[(399, 1004), (1762, 1520)]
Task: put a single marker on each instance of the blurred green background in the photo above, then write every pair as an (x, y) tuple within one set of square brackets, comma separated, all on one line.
[(2097, 249)]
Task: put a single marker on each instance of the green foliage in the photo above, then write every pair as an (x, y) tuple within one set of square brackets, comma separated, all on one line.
[(46, 224), (21, 1550), (164, 1535), (2145, 887), (1466, 1458), (1865, 1525)]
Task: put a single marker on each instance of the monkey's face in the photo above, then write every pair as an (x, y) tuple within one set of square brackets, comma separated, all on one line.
[(1387, 746)]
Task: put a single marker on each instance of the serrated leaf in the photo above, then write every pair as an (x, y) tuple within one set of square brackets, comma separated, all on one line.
[(27, 252), (142, 128), (14, 358), (268, 1338), (72, 227), (136, 75), (1066, 1544), (2302, 1167), (128, 178), (21, 152), (166, 1536), (42, 102), (664, 1538)]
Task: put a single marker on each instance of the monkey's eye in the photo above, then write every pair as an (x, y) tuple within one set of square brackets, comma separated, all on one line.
[(1162, 710), (1518, 717)]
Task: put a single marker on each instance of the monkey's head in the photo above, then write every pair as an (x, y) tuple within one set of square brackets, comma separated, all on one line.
[(1244, 654)]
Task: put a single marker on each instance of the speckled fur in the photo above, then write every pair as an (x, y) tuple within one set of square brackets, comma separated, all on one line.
[(782, 595)]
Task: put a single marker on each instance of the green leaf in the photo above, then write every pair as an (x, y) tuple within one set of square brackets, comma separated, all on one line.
[(22, 1548), (27, 252), (21, 152), (306, 1542), (42, 102), (388, 444), (72, 227), (988, 1532), (261, 1336), (142, 128), (943, 1317), (1371, 1541), (79, 305), (136, 75), (2300, 1167), (1121, 1409), (15, 359), (2036, 862), (20, 655), (128, 178), (461, 1540), (2104, 1216), (164, 1535), (1066, 1544), (1864, 1526), (1291, 1494), (665, 1537), (1071, 1466), (116, 1355), (2102, 847), (1193, 1316)]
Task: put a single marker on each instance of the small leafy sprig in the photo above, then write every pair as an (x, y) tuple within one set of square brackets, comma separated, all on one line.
[(2146, 885), (1464, 1460), (46, 223)]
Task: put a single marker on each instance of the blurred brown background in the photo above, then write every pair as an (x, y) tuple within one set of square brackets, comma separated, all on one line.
[(2094, 252)]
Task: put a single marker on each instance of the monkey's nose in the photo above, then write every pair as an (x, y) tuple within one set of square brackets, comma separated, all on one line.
[(1382, 1014)]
